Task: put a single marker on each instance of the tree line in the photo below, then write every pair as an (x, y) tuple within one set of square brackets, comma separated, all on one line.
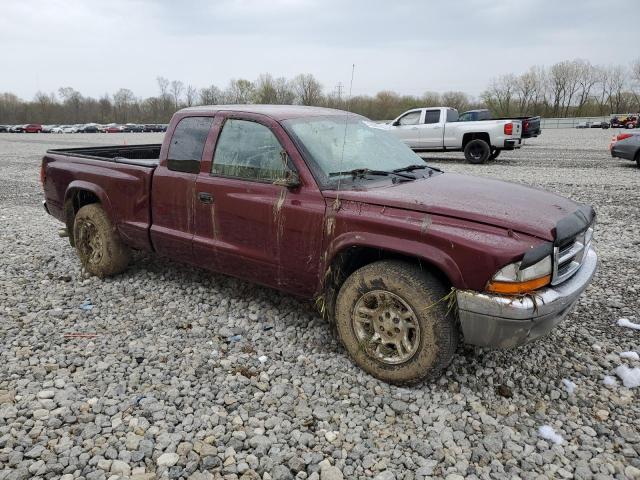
[(565, 89)]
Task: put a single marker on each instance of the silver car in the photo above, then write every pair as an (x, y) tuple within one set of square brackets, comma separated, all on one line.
[(627, 146)]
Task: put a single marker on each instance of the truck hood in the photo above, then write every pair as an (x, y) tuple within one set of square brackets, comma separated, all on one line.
[(508, 205)]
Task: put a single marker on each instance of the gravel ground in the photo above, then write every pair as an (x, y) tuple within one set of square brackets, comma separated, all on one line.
[(159, 388)]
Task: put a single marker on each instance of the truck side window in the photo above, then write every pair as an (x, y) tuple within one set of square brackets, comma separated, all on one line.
[(187, 144), (248, 150), (411, 118), (432, 116)]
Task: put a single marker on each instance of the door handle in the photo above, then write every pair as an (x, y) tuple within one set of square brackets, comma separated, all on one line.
[(205, 197)]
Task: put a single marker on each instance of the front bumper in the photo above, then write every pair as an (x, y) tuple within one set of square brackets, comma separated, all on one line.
[(503, 321)]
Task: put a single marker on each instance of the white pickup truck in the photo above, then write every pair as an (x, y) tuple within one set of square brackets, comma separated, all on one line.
[(438, 129)]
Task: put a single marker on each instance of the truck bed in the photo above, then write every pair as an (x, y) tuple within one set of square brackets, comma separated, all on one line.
[(119, 176), (141, 155)]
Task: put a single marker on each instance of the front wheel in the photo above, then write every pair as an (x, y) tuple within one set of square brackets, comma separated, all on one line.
[(99, 246), (477, 151), (394, 320)]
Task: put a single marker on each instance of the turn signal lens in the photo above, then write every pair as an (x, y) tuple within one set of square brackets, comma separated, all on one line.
[(514, 288), (512, 279)]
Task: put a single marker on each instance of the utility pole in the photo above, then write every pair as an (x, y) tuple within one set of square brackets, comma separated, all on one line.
[(339, 88)]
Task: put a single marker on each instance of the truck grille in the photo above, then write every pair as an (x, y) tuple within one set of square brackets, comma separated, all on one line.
[(568, 257)]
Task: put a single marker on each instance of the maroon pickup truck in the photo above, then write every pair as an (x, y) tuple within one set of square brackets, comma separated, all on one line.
[(325, 205)]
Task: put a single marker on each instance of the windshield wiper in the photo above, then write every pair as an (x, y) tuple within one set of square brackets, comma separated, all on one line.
[(410, 168), (361, 172)]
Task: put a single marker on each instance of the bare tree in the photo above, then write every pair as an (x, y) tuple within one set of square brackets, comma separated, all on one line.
[(458, 100), (615, 85), (587, 80), (177, 87), (558, 79), (122, 102), (211, 96), (163, 84), (191, 95), (265, 90), (239, 91), (105, 108), (308, 89), (285, 94), (45, 105), (635, 81), (499, 96)]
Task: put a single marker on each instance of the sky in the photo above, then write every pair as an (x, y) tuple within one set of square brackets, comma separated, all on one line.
[(406, 46)]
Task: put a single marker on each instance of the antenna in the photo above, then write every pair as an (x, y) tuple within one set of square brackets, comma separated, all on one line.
[(344, 138)]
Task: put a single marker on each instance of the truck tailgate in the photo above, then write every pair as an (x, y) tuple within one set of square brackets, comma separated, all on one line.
[(122, 186)]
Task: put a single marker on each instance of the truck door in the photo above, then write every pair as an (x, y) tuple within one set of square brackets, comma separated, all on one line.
[(432, 130), (247, 225), (408, 128), (173, 189)]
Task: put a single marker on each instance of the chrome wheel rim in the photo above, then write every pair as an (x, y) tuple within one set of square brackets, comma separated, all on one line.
[(89, 242), (386, 327)]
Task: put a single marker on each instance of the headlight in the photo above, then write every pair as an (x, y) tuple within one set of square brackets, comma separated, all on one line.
[(513, 280)]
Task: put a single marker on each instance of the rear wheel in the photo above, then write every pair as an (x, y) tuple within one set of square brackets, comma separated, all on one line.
[(494, 154), (477, 151), (394, 321), (99, 246)]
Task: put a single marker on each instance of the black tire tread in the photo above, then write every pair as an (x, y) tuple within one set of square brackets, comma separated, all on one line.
[(422, 281)]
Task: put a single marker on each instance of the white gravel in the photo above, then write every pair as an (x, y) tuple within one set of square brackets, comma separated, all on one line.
[(147, 384)]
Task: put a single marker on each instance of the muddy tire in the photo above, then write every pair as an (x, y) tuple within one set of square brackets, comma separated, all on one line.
[(394, 321), (477, 151), (97, 243)]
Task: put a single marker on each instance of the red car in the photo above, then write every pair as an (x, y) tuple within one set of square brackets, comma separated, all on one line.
[(33, 128), (325, 205), (114, 129)]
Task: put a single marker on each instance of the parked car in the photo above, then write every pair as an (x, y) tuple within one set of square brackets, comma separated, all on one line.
[(327, 205), (58, 129), (4, 128), (33, 128), (603, 125), (437, 129), (626, 146), (48, 128), (583, 125), (530, 125), (89, 128), (632, 122), (114, 129), (133, 128), (70, 129), (625, 121), (17, 129)]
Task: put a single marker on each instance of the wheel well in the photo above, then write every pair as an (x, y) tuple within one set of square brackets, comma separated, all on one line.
[(467, 137), (351, 259), (75, 201)]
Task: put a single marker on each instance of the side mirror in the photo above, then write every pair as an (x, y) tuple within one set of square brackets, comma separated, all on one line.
[(290, 180), (395, 123)]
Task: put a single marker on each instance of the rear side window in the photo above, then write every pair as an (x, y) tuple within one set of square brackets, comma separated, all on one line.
[(248, 150), (187, 144), (432, 116)]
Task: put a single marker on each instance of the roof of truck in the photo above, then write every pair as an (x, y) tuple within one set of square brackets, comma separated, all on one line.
[(277, 112)]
